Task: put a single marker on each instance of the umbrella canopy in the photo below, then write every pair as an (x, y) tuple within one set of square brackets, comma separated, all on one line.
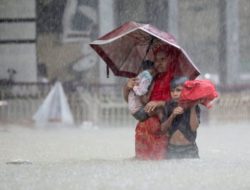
[(124, 49)]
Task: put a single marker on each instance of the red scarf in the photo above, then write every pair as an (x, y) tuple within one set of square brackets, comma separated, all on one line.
[(161, 88)]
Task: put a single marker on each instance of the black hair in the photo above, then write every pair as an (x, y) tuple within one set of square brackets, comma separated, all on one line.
[(177, 81), (147, 64)]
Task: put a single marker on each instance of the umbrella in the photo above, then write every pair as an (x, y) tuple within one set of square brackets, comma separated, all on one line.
[(126, 47)]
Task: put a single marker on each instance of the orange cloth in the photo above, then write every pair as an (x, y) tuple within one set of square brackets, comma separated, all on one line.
[(149, 144)]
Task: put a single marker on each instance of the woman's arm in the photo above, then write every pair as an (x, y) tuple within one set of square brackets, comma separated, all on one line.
[(129, 86), (125, 92), (152, 105)]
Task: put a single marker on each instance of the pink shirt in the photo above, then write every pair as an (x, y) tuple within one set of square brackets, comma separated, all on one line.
[(134, 101)]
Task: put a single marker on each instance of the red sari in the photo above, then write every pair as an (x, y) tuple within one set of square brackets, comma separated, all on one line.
[(149, 144)]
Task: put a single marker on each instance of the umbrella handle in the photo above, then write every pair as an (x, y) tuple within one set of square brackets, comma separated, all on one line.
[(107, 71), (148, 48)]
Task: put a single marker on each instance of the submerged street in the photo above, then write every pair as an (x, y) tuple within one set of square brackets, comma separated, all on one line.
[(100, 158), (81, 61)]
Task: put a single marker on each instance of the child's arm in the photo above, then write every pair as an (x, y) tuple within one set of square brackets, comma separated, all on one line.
[(168, 123), (194, 120)]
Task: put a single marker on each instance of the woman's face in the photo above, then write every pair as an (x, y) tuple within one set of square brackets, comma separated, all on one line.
[(161, 61)]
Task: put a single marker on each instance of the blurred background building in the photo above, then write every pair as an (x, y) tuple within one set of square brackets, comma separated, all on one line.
[(47, 40), (50, 37), (18, 40)]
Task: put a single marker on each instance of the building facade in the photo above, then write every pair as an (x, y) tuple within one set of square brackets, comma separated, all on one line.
[(18, 56), (56, 34)]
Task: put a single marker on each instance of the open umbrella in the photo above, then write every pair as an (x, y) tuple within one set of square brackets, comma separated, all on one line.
[(126, 47)]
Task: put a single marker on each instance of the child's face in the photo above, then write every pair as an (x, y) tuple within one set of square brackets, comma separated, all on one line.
[(176, 92)]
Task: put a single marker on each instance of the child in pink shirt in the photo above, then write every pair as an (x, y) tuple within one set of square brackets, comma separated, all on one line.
[(135, 104)]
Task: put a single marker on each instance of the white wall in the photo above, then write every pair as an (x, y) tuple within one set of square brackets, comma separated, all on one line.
[(19, 31), (15, 31), (17, 8), (20, 57)]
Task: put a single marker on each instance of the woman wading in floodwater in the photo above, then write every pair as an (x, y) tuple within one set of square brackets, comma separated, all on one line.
[(149, 142)]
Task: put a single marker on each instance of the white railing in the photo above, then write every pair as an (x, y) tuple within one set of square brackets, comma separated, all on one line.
[(86, 106), (231, 107), (106, 111)]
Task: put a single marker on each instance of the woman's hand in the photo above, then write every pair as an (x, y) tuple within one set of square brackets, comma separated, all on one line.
[(152, 105), (132, 82), (129, 86)]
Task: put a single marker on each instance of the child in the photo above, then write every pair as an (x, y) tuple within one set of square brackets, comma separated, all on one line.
[(181, 124), (135, 96)]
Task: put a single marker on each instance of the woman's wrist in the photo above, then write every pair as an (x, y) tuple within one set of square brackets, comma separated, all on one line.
[(161, 104)]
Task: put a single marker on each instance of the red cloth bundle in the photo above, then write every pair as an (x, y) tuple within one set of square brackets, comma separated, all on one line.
[(198, 90)]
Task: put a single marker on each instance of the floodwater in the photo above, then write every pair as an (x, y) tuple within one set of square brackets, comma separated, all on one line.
[(91, 158)]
